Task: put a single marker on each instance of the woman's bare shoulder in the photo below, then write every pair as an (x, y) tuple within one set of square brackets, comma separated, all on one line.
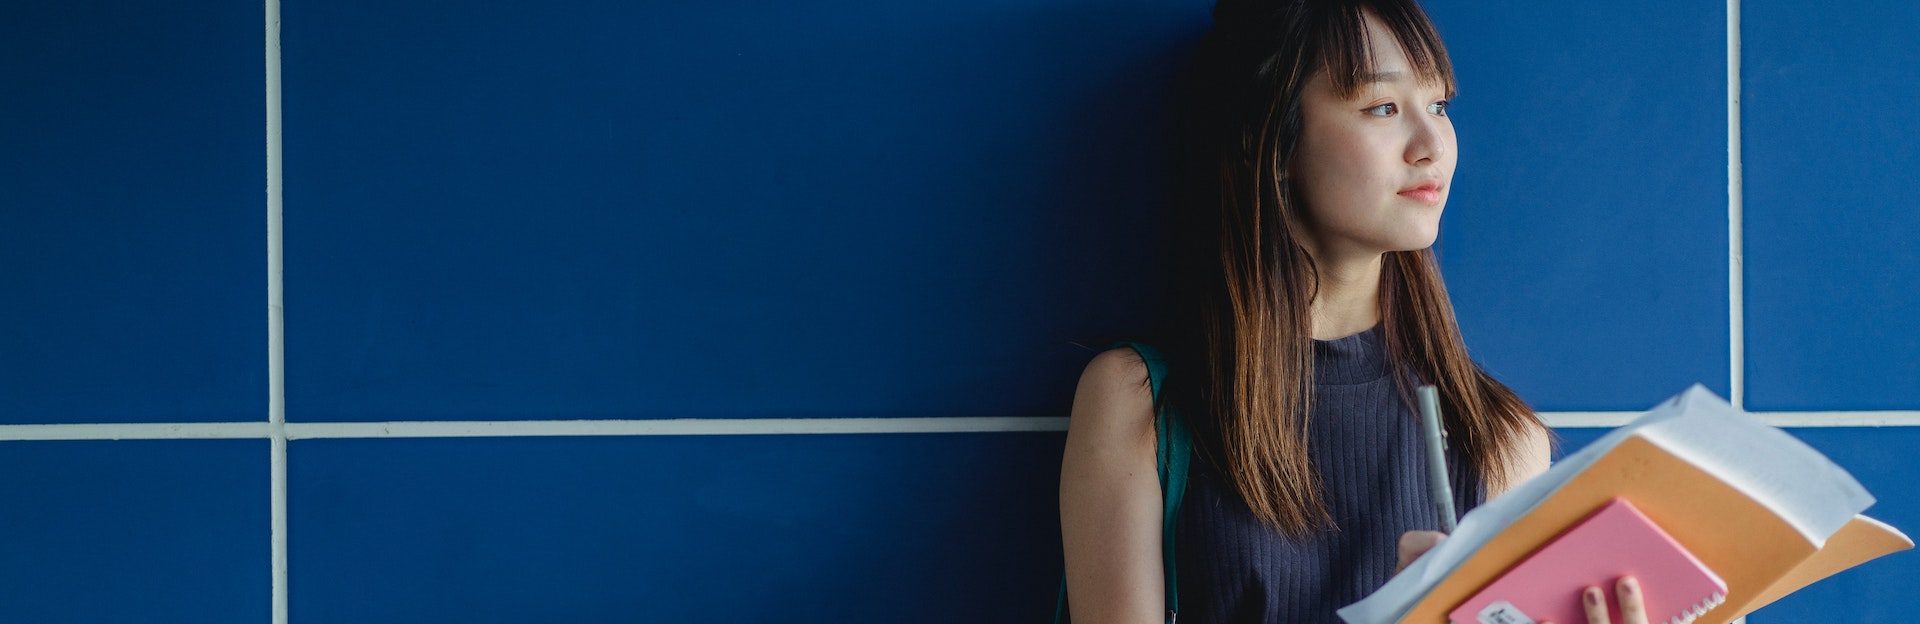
[(1114, 392), (1532, 454)]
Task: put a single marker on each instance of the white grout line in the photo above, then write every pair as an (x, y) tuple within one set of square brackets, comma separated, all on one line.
[(135, 431), (674, 427), (1784, 420), (751, 426), (1736, 205), (1736, 265), (1587, 420), (276, 321)]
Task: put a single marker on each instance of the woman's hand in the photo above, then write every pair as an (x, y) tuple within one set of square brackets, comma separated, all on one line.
[(1416, 543), (1633, 609)]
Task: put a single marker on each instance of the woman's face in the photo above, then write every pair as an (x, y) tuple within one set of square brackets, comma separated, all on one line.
[(1358, 157)]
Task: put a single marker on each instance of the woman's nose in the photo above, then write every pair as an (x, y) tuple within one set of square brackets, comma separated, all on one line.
[(1426, 144)]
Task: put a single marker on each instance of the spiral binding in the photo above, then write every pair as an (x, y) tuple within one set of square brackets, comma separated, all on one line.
[(1698, 610)]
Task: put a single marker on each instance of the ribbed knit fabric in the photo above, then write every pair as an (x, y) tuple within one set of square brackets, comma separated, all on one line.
[(1367, 446)]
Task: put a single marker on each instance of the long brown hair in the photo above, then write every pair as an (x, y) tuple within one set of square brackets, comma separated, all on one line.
[(1240, 350)]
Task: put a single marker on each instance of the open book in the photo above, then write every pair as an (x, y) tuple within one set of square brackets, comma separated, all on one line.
[(1763, 510)]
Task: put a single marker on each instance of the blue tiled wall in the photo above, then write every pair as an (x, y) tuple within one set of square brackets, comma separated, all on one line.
[(1833, 275), (723, 209), (812, 528), (132, 268), (1585, 240), (1882, 590), (134, 531), (522, 211)]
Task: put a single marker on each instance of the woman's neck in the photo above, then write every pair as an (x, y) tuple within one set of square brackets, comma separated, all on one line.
[(1349, 299)]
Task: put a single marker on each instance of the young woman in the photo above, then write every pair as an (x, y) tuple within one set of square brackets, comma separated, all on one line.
[(1310, 305)]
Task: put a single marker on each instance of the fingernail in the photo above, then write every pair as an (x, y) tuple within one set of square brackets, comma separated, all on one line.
[(1593, 596), (1629, 585)]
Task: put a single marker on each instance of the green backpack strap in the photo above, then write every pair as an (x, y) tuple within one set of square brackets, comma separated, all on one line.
[(1173, 453)]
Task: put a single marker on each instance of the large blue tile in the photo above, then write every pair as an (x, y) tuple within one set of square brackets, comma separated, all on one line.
[(156, 531), (795, 528), (1585, 239), (1832, 274), (1880, 591), (132, 212), (717, 209)]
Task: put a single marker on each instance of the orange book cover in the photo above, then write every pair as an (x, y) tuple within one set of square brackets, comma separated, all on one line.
[(1758, 554), (1759, 508)]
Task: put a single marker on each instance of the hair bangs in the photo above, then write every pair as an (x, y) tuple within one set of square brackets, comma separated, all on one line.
[(1346, 53)]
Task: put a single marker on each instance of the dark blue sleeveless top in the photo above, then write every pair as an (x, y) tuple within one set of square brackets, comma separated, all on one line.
[(1367, 446)]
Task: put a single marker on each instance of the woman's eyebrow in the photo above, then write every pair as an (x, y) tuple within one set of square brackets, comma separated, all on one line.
[(1392, 76), (1385, 76)]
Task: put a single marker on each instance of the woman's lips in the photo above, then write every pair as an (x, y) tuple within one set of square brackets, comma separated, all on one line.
[(1425, 195)]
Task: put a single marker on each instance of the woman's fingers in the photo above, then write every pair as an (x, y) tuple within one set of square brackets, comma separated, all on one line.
[(1595, 603), (1416, 543), (1633, 607)]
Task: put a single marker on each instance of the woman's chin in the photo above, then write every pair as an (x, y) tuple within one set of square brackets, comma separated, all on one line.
[(1416, 238)]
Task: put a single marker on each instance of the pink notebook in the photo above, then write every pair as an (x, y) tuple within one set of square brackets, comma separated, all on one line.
[(1615, 541)]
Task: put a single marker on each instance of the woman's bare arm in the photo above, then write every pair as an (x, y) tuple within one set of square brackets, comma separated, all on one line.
[(1110, 503), (1534, 455)]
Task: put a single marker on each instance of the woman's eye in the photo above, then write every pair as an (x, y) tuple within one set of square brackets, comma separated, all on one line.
[(1389, 109)]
